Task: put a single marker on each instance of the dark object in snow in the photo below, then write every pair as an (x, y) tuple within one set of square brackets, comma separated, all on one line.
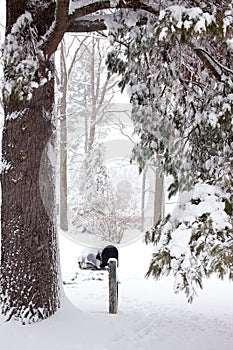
[(108, 252), (94, 259)]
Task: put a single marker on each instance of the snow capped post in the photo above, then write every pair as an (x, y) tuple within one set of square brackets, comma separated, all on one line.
[(113, 286), (109, 257)]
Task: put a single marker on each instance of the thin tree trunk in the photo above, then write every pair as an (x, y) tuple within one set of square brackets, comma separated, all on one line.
[(63, 143), (143, 200), (159, 192), (86, 132), (63, 166), (93, 98)]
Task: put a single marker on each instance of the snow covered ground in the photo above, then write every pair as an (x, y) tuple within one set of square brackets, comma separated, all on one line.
[(150, 316)]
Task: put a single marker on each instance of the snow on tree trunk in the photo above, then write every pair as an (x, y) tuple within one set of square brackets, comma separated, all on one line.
[(29, 258)]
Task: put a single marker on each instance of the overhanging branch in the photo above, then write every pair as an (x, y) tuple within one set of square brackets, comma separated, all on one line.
[(107, 5), (57, 29), (87, 25), (78, 20), (82, 21)]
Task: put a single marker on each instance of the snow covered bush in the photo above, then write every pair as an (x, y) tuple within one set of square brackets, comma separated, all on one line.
[(195, 241), (22, 55)]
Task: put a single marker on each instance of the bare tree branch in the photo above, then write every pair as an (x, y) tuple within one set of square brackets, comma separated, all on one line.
[(70, 46), (75, 56)]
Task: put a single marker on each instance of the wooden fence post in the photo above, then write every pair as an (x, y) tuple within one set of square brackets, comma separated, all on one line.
[(113, 286)]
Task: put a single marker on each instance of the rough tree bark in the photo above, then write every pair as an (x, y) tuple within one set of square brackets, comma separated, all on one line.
[(29, 263)]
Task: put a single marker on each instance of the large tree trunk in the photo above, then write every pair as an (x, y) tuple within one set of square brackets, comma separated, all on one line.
[(29, 259)]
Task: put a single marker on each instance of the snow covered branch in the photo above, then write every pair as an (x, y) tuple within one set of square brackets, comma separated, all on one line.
[(81, 19), (57, 29), (87, 25), (95, 6), (215, 66), (84, 18)]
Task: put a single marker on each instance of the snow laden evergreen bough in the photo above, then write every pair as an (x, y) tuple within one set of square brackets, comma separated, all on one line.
[(177, 68), (22, 59)]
